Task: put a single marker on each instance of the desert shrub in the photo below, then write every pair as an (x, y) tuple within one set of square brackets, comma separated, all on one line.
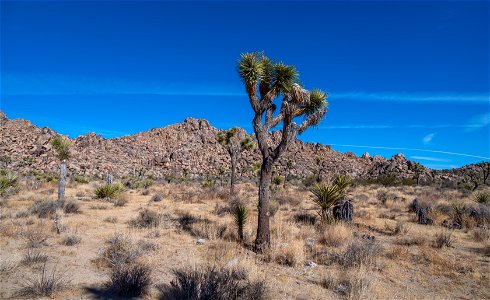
[(111, 219), (357, 254), (44, 285), (240, 216), (335, 235), (329, 194), (480, 213), (71, 207), (443, 239), (33, 256), (277, 180), (399, 228), (156, 198), (22, 214), (482, 197), (207, 229), (289, 254), (82, 179), (120, 201), (146, 219), (108, 191), (133, 183), (273, 208), (120, 249), (481, 234), (207, 184), (412, 241), (6, 266), (212, 283), (8, 183), (186, 220), (145, 192), (304, 218), (146, 245), (43, 208), (385, 197), (35, 237), (130, 280), (356, 284), (309, 181), (70, 240)]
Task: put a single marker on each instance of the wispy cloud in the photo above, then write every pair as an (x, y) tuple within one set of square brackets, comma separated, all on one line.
[(413, 149), (414, 97), (428, 138), (478, 121), (402, 126), (426, 158)]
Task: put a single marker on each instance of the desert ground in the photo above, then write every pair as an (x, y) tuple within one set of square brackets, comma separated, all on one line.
[(383, 254)]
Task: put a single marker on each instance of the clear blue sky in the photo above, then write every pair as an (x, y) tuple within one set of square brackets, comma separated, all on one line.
[(412, 75)]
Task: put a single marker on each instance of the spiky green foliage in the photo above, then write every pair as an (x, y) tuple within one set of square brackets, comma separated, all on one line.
[(318, 99), (284, 77), (8, 181), (108, 190), (62, 147), (482, 197), (240, 215), (330, 193), (249, 68)]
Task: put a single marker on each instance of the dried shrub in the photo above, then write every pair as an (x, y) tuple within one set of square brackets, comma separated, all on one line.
[(130, 279), (443, 239), (273, 208), (304, 218), (145, 192), (71, 207), (482, 197), (212, 283), (481, 234), (399, 229), (35, 237), (157, 197), (120, 201), (44, 285), (289, 254), (111, 219), (357, 254), (146, 219), (33, 256), (44, 208), (412, 241), (70, 240), (335, 235), (120, 249)]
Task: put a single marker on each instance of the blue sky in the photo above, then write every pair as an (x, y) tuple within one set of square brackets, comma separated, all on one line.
[(402, 76)]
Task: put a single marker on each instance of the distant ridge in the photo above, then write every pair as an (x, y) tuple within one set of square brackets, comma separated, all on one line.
[(190, 148)]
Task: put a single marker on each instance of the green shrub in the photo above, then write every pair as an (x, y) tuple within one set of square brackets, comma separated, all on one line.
[(482, 197), (82, 179), (133, 183), (8, 182), (71, 207), (108, 191)]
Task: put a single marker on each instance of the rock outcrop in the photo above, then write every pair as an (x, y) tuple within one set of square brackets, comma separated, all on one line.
[(186, 149)]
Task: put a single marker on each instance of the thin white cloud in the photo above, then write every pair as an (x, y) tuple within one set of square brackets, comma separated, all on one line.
[(414, 97), (413, 149), (478, 122), (427, 158), (428, 138)]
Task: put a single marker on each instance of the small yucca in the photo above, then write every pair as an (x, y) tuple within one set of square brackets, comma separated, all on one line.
[(330, 193), (482, 197), (241, 217), (108, 190)]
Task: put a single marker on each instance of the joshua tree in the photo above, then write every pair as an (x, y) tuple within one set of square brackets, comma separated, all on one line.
[(265, 81), (485, 168), (62, 147), (419, 170), (241, 217), (235, 145), (329, 194)]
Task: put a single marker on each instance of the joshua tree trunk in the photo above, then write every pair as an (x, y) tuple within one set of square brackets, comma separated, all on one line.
[(109, 178), (263, 234), (62, 184)]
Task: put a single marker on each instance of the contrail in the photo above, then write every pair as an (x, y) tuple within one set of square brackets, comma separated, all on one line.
[(413, 149)]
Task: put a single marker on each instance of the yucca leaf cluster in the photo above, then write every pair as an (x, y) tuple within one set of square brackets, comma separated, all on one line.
[(62, 147), (330, 193)]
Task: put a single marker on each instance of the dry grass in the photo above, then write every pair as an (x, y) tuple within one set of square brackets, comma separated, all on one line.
[(163, 234)]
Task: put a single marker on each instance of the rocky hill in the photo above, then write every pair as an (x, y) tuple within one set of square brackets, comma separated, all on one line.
[(186, 149)]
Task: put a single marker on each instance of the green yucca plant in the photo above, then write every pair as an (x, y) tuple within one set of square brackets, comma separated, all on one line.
[(482, 197), (62, 147), (108, 190), (241, 217), (7, 181), (330, 193)]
